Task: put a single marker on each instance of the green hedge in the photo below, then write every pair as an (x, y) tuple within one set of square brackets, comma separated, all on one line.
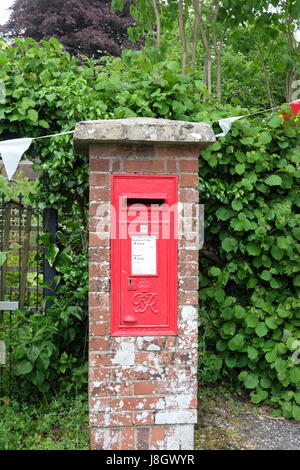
[(249, 294)]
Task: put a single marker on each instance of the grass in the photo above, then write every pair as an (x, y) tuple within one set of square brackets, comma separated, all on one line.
[(61, 424)]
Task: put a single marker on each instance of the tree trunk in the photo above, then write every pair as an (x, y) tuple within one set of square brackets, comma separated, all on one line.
[(207, 48), (182, 35), (157, 16), (195, 41), (218, 49), (268, 81)]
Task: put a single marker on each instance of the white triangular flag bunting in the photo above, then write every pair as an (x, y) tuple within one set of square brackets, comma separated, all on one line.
[(11, 152), (225, 125)]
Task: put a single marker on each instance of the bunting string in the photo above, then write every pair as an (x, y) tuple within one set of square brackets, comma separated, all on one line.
[(12, 151)]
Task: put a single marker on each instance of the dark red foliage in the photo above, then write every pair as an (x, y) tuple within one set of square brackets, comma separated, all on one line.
[(87, 27)]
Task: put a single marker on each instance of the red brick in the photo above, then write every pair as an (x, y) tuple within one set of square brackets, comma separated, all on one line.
[(114, 439), (99, 373), (142, 418), (189, 283), (149, 388), (157, 437), (158, 341), (99, 285), (112, 389), (189, 166), (117, 165), (172, 166), (99, 164), (188, 269), (170, 342), (148, 357), (177, 151), (99, 344), (188, 181), (99, 194), (98, 270), (99, 314), (135, 373), (98, 254), (188, 255), (143, 436), (119, 419), (188, 298), (188, 195), (99, 225), (96, 439), (184, 329), (187, 342), (99, 404), (127, 439), (99, 179), (144, 166), (172, 374), (99, 240), (137, 403), (99, 329), (111, 150), (98, 300), (99, 209), (180, 357)]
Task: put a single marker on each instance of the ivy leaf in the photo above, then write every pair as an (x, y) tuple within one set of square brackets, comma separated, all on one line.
[(52, 253), (33, 115), (223, 213), (271, 322), (271, 356), (266, 275), (253, 249), (296, 412), (265, 138), (44, 124), (250, 380), (273, 180), (24, 367), (295, 375), (229, 244), (252, 353), (3, 255), (275, 121), (236, 342), (240, 168), (237, 205), (259, 396), (296, 280), (251, 320), (214, 271), (277, 252), (229, 328), (261, 329)]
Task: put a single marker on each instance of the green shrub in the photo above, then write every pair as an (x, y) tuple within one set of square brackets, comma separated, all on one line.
[(61, 424), (250, 298)]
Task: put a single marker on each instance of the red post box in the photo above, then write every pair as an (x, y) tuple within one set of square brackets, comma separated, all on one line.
[(144, 255)]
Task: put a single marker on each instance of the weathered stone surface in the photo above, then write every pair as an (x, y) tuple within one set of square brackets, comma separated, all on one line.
[(142, 130)]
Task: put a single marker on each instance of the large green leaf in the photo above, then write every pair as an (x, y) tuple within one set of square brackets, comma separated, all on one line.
[(52, 252), (24, 367), (229, 244)]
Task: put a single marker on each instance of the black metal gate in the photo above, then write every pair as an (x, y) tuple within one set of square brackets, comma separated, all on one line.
[(22, 271)]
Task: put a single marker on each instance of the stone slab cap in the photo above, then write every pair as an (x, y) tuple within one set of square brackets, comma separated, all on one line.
[(142, 131)]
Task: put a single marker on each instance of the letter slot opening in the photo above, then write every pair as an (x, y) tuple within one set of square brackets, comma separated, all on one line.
[(144, 201)]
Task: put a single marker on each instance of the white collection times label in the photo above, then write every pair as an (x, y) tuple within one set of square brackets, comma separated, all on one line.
[(143, 254)]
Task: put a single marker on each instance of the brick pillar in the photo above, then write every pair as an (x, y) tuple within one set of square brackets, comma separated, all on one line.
[(142, 389)]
